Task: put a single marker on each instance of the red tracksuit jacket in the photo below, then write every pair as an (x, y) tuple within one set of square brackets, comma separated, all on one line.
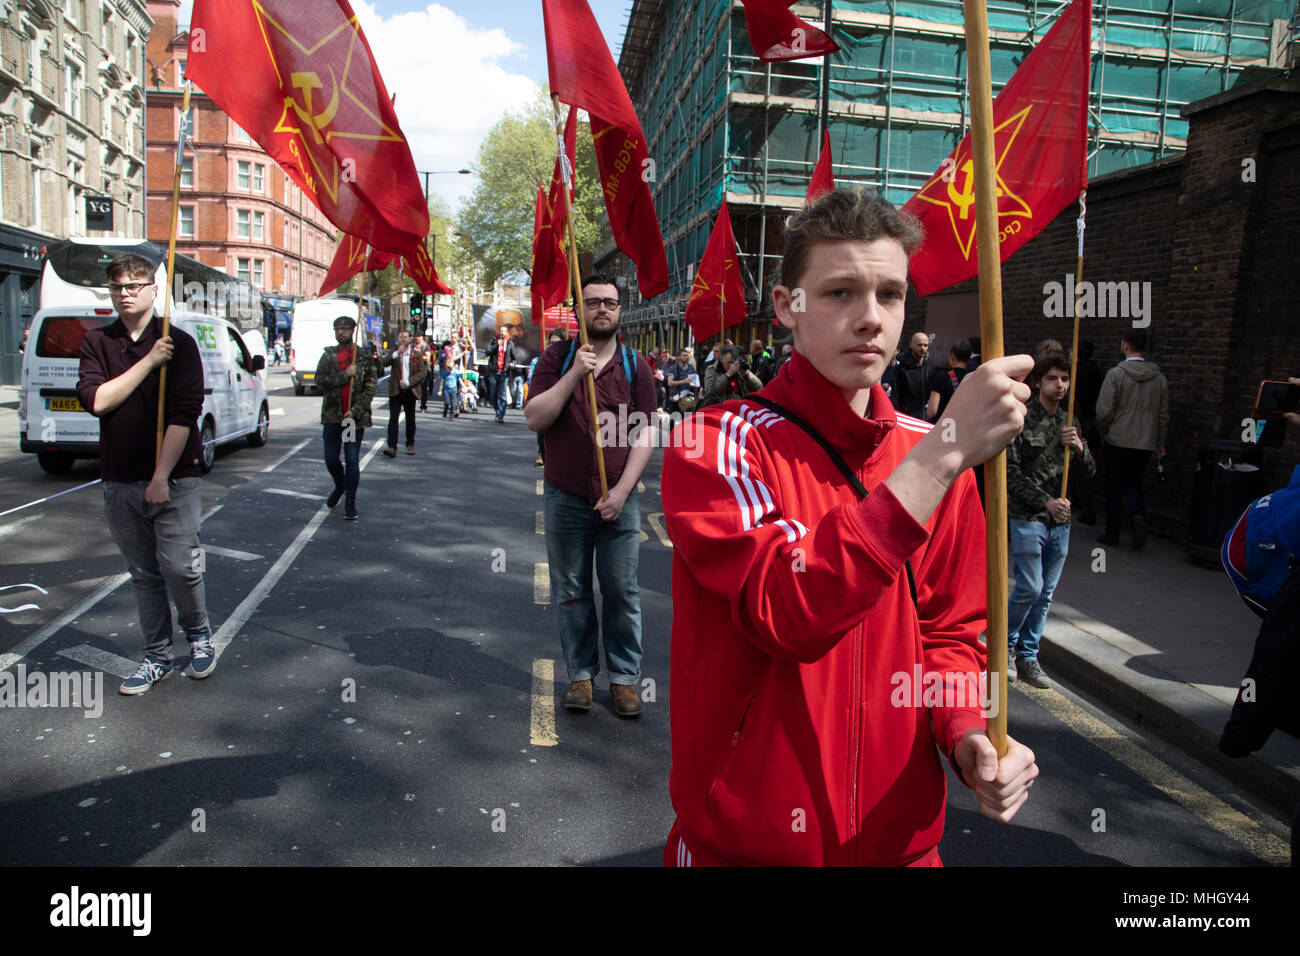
[(805, 703)]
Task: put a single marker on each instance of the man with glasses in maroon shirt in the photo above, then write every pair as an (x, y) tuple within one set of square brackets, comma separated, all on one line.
[(151, 507), (578, 521)]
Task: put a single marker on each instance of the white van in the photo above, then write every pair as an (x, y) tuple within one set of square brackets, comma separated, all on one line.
[(53, 425), (313, 330)]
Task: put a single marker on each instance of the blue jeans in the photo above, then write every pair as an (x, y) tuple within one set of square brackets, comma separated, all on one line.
[(574, 529), (161, 547), (347, 474), (1037, 555), (517, 390), (500, 392)]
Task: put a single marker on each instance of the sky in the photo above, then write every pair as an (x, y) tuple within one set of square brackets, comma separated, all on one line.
[(456, 67)]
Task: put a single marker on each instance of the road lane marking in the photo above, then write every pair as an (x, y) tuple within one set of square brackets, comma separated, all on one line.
[(644, 537), (59, 494), (540, 525), (277, 412), (539, 486), (230, 629), (293, 494), (541, 583), (101, 660), (1198, 800), (541, 731), (232, 553), (211, 511), (640, 485), (106, 587), (18, 525), (656, 520), (286, 456)]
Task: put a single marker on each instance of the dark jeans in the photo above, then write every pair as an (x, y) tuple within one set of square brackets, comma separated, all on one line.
[(1124, 467), (402, 401), (347, 474), (574, 532), (500, 392), (161, 547)]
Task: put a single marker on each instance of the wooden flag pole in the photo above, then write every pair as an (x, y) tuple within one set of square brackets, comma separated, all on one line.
[(990, 285), (171, 266), (577, 298), (1074, 345)]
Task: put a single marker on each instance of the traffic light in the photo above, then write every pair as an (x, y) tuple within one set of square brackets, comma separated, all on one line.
[(417, 305)]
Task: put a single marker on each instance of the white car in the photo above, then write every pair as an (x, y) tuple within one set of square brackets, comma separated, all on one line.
[(53, 425)]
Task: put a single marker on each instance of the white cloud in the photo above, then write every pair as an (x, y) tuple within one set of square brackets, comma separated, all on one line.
[(451, 87)]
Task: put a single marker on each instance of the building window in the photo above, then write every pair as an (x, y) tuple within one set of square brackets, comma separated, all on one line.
[(187, 171), (259, 226), (243, 175), (240, 135), (185, 225), (243, 269), (242, 219), (181, 76), (259, 172), (72, 92), (258, 274)]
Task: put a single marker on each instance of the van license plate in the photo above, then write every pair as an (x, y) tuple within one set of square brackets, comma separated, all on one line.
[(65, 405)]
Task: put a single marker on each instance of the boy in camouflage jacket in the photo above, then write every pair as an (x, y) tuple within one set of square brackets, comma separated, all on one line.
[(339, 377), (1040, 520)]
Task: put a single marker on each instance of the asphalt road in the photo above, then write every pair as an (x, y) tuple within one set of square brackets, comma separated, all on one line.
[(381, 695)]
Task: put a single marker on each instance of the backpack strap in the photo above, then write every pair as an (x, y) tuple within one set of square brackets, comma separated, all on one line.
[(839, 463), (628, 358)]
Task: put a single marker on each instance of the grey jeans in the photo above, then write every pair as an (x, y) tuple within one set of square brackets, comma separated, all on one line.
[(161, 547)]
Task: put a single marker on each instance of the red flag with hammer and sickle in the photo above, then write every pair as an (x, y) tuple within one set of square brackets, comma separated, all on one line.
[(300, 79), (718, 294), (1040, 141)]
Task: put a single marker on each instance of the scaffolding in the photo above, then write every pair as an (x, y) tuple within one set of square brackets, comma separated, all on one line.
[(720, 122)]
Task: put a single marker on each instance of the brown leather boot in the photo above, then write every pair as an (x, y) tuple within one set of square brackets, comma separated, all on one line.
[(579, 696), (626, 701)]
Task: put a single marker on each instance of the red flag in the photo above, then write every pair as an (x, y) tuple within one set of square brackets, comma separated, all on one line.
[(1040, 139), (550, 273), (582, 74), (351, 258), (718, 294), (823, 178), (559, 317), (777, 34), (300, 79)]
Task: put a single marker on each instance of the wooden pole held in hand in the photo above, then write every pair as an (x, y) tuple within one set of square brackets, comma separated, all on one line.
[(171, 267), (581, 308), (990, 284)]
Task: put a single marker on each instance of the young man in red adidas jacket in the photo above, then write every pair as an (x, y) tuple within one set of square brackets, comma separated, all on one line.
[(809, 688)]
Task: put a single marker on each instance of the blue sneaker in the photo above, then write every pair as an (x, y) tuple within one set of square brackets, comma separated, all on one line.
[(203, 657), (149, 673)]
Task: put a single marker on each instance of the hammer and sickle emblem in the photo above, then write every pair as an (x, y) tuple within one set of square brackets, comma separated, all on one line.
[(966, 198), (305, 82), (699, 287)]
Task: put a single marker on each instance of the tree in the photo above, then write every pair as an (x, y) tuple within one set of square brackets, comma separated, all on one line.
[(496, 224)]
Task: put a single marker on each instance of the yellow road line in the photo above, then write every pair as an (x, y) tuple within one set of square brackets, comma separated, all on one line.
[(656, 520), (541, 583), (542, 721), (540, 526), (1193, 797)]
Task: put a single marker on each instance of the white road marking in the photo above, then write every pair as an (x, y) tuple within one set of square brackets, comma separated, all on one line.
[(277, 412), (228, 630), (106, 587), (101, 660), (541, 583), (542, 718), (11, 530), (293, 494), (232, 553), (211, 511), (539, 486), (540, 525), (286, 456)]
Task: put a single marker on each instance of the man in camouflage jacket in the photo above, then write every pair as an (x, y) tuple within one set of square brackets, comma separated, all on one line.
[(342, 380), (1040, 517)]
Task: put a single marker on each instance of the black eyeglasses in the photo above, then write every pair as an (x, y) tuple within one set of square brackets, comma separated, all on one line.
[(130, 288), (594, 304)]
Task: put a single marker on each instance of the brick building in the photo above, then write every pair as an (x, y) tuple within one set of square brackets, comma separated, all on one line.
[(1215, 231), (238, 211)]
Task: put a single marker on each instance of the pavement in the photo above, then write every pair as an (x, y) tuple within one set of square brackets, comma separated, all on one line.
[(1159, 640)]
